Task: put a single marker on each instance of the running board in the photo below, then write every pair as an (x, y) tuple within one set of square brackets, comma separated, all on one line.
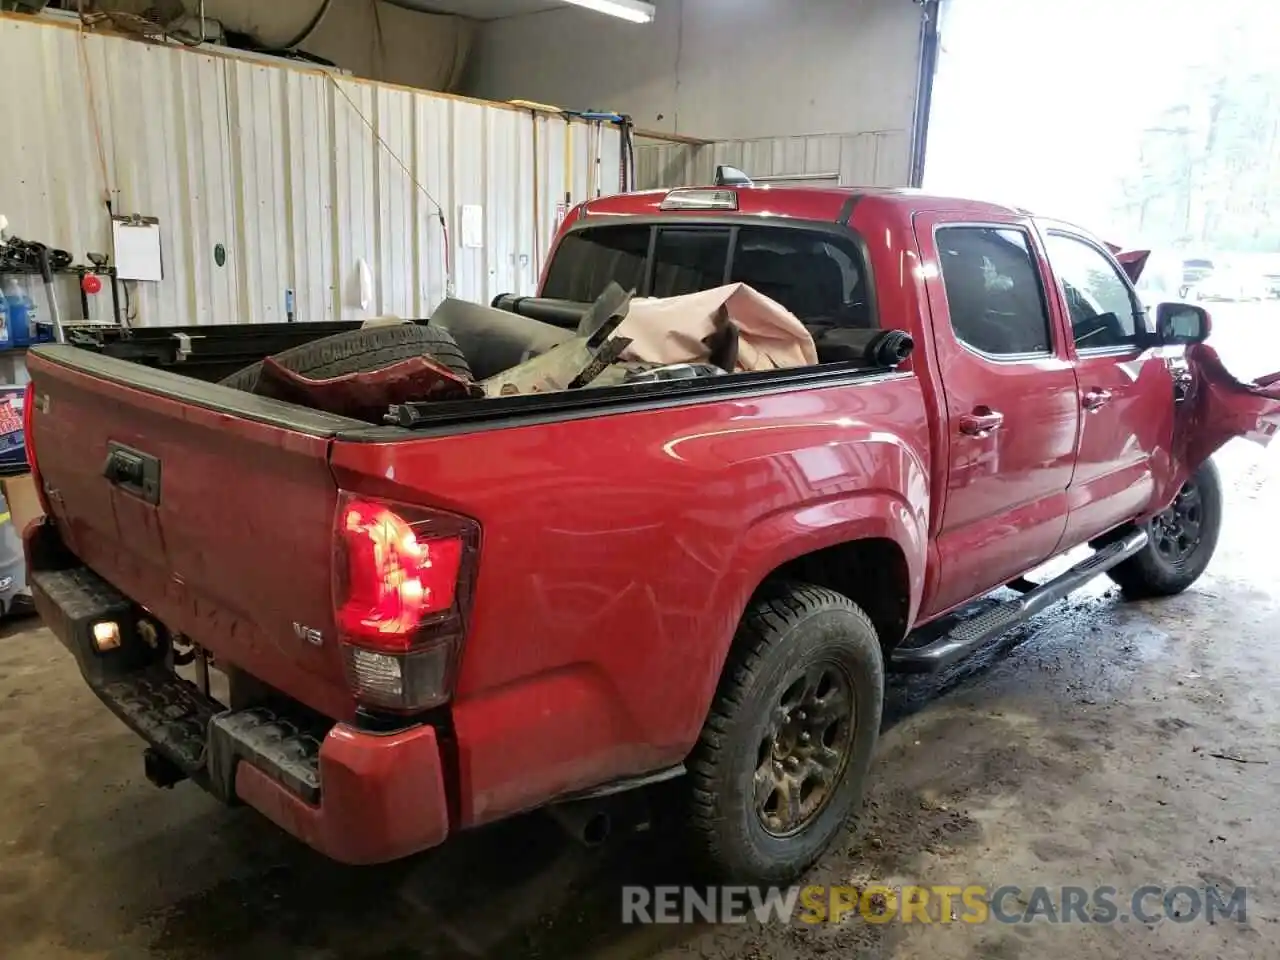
[(971, 634)]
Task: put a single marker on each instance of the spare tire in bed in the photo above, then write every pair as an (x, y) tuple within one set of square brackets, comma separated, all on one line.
[(360, 351)]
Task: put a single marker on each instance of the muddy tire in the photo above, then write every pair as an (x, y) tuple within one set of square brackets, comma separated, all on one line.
[(1182, 541), (360, 351), (784, 753)]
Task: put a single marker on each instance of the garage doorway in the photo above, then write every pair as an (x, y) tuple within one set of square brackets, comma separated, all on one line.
[(1153, 123)]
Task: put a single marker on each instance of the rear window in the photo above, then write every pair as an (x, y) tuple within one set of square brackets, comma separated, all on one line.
[(587, 260), (686, 261), (816, 275)]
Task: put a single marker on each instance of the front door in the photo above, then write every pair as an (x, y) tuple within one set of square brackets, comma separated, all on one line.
[(1125, 391), (1011, 405)]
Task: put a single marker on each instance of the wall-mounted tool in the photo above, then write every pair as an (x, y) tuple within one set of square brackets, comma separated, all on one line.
[(55, 315)]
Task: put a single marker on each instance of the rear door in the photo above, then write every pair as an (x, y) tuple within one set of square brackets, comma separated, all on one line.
[(1125, 390), (211, 507), (1011, 406)]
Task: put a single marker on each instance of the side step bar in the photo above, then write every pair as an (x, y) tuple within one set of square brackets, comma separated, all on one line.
[(971, 634)]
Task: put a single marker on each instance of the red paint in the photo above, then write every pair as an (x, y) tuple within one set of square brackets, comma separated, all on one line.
[(617, 552), (617, 547), (241, 546), (384, 796), (1005, 507), (1220, 408)]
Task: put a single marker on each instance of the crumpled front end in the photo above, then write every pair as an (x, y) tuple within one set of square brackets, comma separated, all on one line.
[(1217, 409)]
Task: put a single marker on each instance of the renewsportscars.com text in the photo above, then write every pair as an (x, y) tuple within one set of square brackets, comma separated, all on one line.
[(939, 903)]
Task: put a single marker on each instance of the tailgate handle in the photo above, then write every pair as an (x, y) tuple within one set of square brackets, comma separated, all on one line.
[(133, 471)]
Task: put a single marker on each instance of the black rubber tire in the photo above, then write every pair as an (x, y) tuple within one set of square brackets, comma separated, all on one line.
[(788, 628), (1148, 574), (360, 351)]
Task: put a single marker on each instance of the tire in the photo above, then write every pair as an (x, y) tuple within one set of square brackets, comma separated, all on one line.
[(792, 636), (360, 351), (1152, 572)]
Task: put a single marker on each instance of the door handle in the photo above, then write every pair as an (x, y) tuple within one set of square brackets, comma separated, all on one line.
[(981, 422), (133, 471), (1096, 399)]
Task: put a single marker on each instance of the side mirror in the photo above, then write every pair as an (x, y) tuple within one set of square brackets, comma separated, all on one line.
[(1182, 323)]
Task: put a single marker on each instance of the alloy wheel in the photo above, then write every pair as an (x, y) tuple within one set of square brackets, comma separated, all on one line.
[(805, 749)]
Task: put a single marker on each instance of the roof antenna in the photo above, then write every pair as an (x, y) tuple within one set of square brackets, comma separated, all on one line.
[(727, 176)]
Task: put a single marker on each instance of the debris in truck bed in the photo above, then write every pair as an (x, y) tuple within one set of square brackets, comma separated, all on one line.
[(576, 362), (683, 329), (368, 395), (495, 340), (728, 329), (629, 371)]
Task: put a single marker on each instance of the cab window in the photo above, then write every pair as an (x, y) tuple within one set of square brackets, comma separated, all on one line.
[(587, 260), (994, 293), (1105, 312)]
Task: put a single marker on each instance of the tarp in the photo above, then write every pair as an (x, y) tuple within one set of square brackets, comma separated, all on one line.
[(677, 329)]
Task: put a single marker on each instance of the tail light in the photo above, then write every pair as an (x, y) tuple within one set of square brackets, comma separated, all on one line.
[(403, 578), (29, 442)]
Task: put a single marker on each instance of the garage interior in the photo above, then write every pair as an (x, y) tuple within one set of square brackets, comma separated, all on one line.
[(352, 160)]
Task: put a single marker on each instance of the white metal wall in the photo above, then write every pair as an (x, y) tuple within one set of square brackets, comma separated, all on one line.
[(864, 159), (715, 69), (274, 163)]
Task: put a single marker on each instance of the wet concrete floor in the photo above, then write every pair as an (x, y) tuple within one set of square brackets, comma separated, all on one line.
[(1106, 744)]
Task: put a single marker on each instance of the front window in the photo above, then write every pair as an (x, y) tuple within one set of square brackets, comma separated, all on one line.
[(1104, 311)]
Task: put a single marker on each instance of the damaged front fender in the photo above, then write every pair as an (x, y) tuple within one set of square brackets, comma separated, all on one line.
[(1218, 408)]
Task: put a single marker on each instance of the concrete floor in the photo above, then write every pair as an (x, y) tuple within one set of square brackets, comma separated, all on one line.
[(1078, 751)]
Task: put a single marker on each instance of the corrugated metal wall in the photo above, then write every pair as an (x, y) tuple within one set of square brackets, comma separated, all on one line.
[(275, 164), (881, 159)]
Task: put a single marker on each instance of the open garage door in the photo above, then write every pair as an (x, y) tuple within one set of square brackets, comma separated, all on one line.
[(1153, 123), (1041, 104)]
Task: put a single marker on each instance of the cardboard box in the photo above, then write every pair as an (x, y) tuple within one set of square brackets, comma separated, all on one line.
[(24, 503)]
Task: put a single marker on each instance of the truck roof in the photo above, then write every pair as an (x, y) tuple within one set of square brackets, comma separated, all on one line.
[(803, 202)]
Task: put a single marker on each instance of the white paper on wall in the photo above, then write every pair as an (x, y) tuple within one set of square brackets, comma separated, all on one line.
[(137, 250), (472, 226)]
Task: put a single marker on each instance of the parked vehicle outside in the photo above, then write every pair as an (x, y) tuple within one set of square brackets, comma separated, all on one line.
[(1232, 285), (1194, 271)]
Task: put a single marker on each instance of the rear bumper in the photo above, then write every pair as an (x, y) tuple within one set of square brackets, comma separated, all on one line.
[(355, 796), (382, 797)]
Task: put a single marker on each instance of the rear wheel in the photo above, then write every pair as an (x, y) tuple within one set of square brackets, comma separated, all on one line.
[(361, 351), (784, 753), (1181, 542)]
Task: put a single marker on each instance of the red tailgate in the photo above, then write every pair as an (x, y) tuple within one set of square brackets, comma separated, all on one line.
[(210, 507)]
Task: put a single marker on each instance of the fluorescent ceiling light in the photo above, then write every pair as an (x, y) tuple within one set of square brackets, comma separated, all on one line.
[(637, 11)]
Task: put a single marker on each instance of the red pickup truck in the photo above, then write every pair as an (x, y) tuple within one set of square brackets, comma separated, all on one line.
[(500, 604)]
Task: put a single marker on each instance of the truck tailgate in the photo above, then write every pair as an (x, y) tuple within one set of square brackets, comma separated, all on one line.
[(210, 507)]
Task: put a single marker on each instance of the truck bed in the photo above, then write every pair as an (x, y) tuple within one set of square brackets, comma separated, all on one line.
[(614, 524)]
